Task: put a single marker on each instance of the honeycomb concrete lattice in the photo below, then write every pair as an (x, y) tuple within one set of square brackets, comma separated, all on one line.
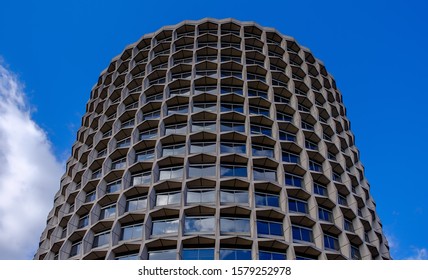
[(214, 139)]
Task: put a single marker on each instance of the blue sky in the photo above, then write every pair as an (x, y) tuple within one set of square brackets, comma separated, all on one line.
[(376, 50)]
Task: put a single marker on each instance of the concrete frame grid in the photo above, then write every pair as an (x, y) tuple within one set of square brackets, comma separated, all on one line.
[(214, 139)]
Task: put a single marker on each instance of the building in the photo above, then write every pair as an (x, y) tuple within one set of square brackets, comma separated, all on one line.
[(214, 139)]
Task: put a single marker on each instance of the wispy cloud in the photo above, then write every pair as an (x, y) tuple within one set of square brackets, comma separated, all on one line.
[(419, 254), (29, 172)]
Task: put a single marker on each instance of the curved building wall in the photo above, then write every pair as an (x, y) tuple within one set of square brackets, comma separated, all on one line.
[(214, 139)]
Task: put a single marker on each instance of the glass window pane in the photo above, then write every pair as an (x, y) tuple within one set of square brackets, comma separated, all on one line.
[(273, 200), (199, 224), (165, 227), (227, 254), (162, 255), (275, 229), (262, 227)]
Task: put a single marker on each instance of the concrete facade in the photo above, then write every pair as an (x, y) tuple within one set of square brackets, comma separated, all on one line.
[(214, 139)]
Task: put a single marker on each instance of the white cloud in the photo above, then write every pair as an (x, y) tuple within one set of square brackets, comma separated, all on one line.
[(29, 173), (419, 254)]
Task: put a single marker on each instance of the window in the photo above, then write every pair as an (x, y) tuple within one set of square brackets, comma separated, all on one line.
[(114, 186), (228, 45), (284, 117), (96, 174), (145, 155), (107, 134), (232, 196), (209, 89), (342, 200), (325, 215), (259, 93), (162, 227), (202, 170), (108, 211), (328, 138), (348, 225), (182, 75), (90, 197), (173, 150), (231, 73), (233, 148), (293, 180), (183, 60), (123, 143), (83, 222), (200, 196), (259, 111), (262, 151), (269, 228), (230, 58), (149, 134), (154, 97), (129, 123), (151, 115), (331, 242), (355, 253), (276, 82), (233, 170), (250, 61), (136, 203), (290, 157), (232, 126), (199, 107), (163, 255), (266, 255), (199, 225), (297, 206), (251, 76), (229, 90), (75, 249), (142, 178), (235, 225), (266, 199), (262, 174), (206, 73), (311, 145), (203, 126), (179, 91), (229, 107), (198, 254), (101, 239), (176, 129), (320, 190), (315, 166), (281, 99), (337, 177), (202, 147), (118, 164), (258, 129), (134, 104), (129, 232), (235, 254), (302, 234), (171, 173), (287, 136), (102, 153), (179, 109), (128, 257), (167, 198)]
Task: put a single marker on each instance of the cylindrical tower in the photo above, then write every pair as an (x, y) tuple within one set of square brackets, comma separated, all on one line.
[(214, 139)]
